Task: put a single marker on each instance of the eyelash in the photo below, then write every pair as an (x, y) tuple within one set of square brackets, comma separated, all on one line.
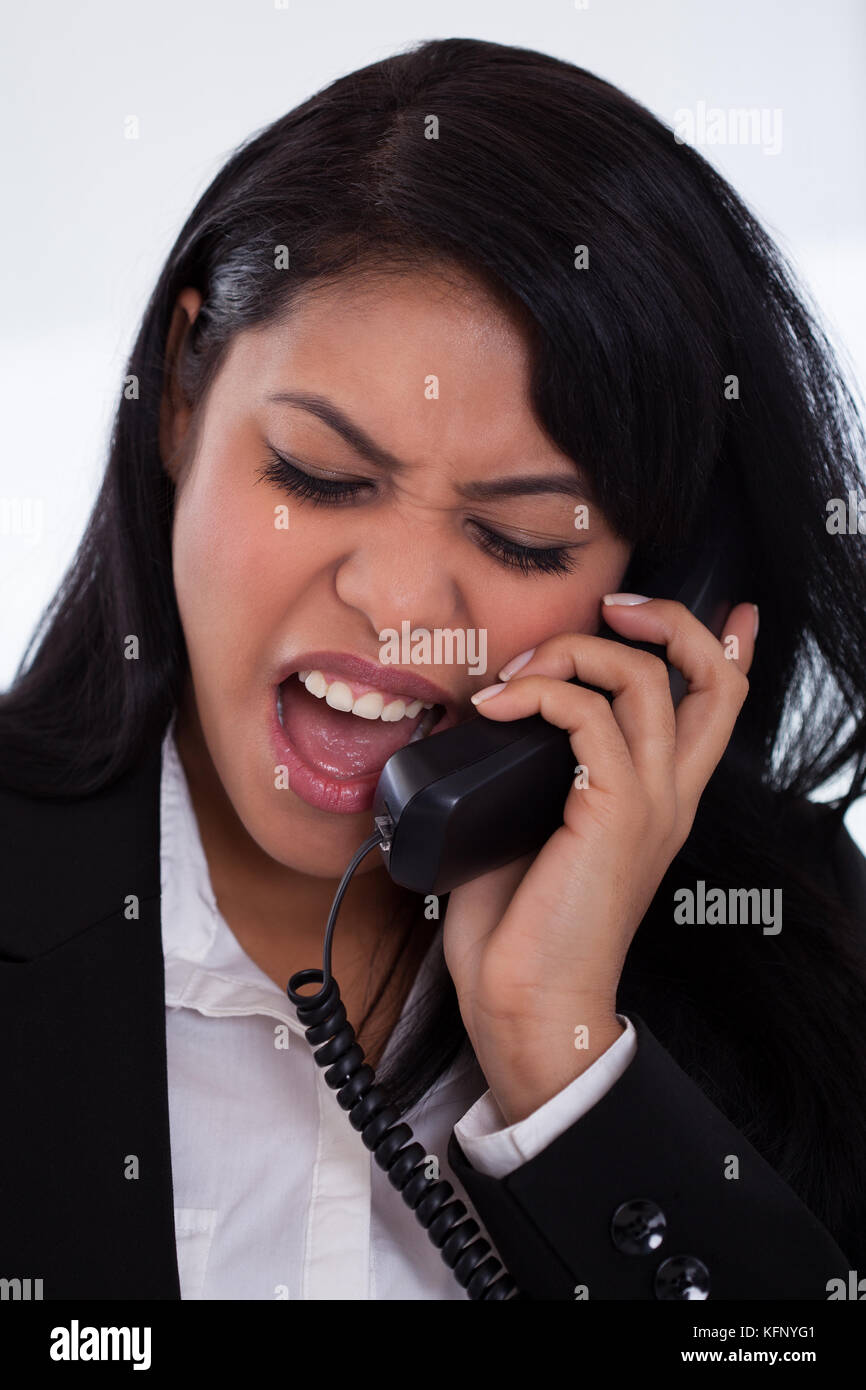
[(326, 491)]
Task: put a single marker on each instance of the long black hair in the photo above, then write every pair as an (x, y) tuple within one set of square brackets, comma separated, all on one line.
[(675, 346)]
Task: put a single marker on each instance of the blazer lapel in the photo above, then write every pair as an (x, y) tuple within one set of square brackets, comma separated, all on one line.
[(85, 1169)]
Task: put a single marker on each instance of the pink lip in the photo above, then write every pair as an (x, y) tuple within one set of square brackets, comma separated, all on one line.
[(377, 677), (351, 795), (325, 793)]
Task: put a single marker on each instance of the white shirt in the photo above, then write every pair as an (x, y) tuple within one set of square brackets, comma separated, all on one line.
[(275, 1194)]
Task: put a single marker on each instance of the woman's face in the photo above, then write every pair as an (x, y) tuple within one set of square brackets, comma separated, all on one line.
[(411, 409)]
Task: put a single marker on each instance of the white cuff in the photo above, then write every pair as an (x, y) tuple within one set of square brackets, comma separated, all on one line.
[(496, 1149)]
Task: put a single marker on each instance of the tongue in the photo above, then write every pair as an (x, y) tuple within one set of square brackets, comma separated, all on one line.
[(336, 742)]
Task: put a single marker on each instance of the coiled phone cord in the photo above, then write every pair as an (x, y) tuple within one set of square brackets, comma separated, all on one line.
[(382, 1127)]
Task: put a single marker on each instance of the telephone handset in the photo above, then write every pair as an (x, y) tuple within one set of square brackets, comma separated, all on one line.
[(451, 807), (457, 804)]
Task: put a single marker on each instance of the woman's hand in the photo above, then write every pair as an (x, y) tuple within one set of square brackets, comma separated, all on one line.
[(536, 948)]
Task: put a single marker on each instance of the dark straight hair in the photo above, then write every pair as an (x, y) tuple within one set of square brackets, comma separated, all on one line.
[(685, 350)]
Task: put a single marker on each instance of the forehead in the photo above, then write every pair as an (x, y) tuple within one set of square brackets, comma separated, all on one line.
[(426, 362)]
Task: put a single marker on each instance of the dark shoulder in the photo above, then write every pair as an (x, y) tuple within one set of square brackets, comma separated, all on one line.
[(66, 862)]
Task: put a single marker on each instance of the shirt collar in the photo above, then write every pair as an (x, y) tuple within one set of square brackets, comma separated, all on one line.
[(205, 966)]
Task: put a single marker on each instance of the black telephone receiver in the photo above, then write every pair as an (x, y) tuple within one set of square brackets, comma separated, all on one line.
[(458, 804)]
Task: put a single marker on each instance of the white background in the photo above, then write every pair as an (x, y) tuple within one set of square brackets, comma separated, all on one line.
[(90, 215)]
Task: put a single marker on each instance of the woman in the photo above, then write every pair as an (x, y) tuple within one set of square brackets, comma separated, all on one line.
[(445, 277)]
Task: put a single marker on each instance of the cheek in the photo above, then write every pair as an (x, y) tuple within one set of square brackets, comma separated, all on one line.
[(229, 559), (533, 613), (525, 623)]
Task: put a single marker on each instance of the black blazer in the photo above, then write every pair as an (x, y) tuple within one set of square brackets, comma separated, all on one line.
[(84, 1085)]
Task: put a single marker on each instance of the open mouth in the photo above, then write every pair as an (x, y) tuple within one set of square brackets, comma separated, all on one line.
[(341, 731)]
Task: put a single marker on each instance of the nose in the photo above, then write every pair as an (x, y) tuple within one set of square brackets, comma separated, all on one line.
[(399, 570)]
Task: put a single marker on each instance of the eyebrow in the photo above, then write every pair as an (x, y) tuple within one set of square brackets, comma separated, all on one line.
[(478, 491)]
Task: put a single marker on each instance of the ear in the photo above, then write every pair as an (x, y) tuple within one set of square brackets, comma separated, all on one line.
[(175, 411)]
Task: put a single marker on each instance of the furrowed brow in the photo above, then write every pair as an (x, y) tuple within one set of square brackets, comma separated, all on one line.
[(334, 418), (483, 490)]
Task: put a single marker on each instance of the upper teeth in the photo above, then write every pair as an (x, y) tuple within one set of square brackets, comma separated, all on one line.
[(371, 705)]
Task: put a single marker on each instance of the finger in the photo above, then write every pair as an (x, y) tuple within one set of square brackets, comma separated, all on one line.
[(640, 685), (715, 676), (739, 635), (596, 739), (479, 906)]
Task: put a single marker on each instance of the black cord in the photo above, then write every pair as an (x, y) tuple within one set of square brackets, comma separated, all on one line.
[(381, 1125)]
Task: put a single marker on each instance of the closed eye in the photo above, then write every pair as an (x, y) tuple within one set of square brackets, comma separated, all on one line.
[(529, 559), (281, 471), (549, 559)]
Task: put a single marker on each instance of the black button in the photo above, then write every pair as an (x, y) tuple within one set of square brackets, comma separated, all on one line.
[(638, 1227), (681, 1277)]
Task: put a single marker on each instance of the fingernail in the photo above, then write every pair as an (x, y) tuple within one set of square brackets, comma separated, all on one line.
[(757, 621), (515, 664), (486, 693), (625, 599)]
